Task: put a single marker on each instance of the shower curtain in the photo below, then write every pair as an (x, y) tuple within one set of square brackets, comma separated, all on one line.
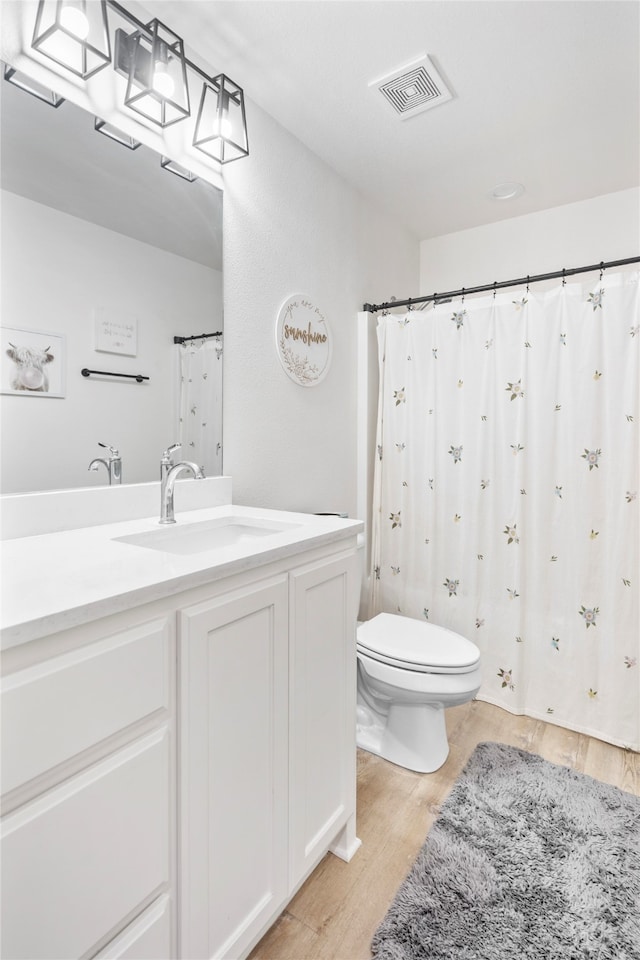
[(199, 427), (506, 493)]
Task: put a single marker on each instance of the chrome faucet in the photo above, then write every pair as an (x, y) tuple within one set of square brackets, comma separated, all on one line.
[(167, 484), (167, 460), (113, 464)]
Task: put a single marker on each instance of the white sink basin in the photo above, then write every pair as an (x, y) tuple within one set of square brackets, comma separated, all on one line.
[(206, 534)]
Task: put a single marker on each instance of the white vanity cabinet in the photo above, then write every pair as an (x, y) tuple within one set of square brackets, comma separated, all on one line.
[(267, 746), (172, 772)]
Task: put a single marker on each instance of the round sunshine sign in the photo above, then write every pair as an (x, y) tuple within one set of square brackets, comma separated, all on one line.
[(303, 341)]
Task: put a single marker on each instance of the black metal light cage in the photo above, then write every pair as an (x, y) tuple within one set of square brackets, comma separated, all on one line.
[(220, 129), (83, 55), (180, 171), (108, 130), (38, 90), (136, 56)]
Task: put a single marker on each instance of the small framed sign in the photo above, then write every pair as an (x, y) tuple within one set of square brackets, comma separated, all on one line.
[(116, 332), (303, 340)]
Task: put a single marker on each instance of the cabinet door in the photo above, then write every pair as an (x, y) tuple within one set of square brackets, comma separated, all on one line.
[(323, 599), (233, 711)]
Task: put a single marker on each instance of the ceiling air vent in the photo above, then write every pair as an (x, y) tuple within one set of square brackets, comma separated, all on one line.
[(413, 88)]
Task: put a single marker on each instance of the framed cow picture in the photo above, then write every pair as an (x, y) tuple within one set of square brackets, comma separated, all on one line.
[(32, 363)]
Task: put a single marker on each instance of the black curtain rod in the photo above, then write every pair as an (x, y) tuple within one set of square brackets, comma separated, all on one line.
[(450, 294), (198, 336)]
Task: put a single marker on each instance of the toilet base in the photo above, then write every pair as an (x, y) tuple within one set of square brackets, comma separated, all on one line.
[(410, 735), (403, 693)]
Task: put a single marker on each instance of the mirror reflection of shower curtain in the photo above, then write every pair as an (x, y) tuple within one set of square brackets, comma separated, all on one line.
[(200, 404)]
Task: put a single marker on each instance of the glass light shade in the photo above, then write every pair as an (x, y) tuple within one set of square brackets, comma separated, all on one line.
[(157, 85), (221, 127), (74, 34)]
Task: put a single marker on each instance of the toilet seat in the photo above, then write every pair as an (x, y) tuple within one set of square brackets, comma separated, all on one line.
[(412, 645)]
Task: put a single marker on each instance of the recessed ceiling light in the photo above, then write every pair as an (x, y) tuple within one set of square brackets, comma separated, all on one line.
[(506, 191)]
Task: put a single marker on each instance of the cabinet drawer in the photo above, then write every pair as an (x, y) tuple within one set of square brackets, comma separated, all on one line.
[(81, 858), (54, 710), (147, 938)]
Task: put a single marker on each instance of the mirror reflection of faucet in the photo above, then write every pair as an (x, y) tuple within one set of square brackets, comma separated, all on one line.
[(112, 464), (167, 484)]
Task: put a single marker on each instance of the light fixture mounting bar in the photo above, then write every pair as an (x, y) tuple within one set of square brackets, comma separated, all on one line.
[(142, 27)]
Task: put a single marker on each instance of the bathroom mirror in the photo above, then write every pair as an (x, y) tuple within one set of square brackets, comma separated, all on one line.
[(110, 256)]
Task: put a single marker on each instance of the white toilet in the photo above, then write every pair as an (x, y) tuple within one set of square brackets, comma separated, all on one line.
[(408, 672)]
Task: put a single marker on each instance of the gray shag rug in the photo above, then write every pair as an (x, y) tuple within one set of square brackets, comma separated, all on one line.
[(525, 860)]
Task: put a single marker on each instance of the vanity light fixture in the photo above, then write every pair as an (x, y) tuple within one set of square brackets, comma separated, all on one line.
[(168, 164), (221, 127), (32, 86), (154, 62), (74, 34), (113, 133)]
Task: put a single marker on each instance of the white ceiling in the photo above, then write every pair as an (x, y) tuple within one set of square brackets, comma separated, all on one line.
[(546, 92)]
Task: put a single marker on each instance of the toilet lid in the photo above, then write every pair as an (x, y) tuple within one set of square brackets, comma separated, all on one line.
[(414, 645)]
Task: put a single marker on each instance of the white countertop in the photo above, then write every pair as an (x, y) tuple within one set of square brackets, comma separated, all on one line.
[(59, 580)]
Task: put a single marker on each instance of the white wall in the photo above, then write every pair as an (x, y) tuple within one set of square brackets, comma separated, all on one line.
[(291, 225), (56, 269), (573, 235)]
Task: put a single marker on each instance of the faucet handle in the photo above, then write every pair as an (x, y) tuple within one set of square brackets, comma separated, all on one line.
[(166, 456), (113, 453)]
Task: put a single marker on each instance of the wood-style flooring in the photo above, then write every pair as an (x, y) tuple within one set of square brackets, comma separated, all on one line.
[(336, 912)]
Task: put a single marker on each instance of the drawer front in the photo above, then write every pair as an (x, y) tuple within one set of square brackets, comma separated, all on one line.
[(147, 938), (77, 861), (58, 708)]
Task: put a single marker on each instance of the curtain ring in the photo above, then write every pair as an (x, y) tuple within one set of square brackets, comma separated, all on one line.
[(527, 283), (409, 305), (462, 301), (564, 279), (495, 283), (601, 269)]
